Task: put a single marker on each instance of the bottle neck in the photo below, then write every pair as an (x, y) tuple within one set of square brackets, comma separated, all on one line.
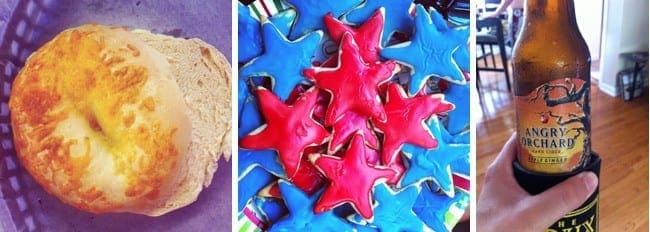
[(550, 12)]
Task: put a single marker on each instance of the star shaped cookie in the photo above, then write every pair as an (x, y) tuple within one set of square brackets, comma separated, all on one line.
[(458, 119), (250, 184), (346, 127), (248, 35), (367, 35), (433, 208), (352, 79), (393, 210), (461, 56), (405, 120), (347, 184), (285, 72), (429, 53), (288, 129), (301, 216), (433, 164)]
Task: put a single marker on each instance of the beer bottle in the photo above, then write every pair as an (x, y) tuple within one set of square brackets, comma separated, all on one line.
[(551, 70)]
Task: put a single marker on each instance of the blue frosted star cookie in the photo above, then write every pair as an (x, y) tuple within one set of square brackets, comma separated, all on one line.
[(433, 164), (311, 13), (393, 210), (458, 119), (249, 32), (434, 208), (283, 21), (249, 116), (301, 215), (429, 53), (251, 184), (283, 60), (461, 56), (271, 209), (250, 40), (266, 159)]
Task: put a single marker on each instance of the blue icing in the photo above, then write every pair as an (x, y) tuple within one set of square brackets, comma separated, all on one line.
[(459, 117), (432, 207), (397, 16), (251, 184), (242, 95), (283, 60), (249, 117), (311, 13), (283, 21), (266, 159), (461, 56), (433, 164), (271, 209), (428, 53), (250, 41), (460, 166), (249, 34), (460, 138), (393, 210), (301, 215)]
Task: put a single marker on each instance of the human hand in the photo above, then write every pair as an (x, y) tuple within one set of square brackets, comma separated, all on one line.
[(504, 206)]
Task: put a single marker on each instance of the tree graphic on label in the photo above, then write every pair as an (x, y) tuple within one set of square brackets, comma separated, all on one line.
[(560, 93)]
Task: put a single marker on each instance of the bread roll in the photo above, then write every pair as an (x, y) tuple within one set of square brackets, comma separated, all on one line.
[(100, 122), (203, 75)]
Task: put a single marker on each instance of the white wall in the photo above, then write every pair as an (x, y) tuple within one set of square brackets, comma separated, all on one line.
[(589, 15), (625, 29)]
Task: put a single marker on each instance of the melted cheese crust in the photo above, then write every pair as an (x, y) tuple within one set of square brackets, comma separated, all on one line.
[(98, 123)]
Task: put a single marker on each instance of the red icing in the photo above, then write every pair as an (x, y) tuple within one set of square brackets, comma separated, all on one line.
[(367, 36), (398, 166), (307, 179), (405, 120), (461, 182), (352, 179), (348, 125), (288, 129), (321, 103), (353, 84), (373, 157)]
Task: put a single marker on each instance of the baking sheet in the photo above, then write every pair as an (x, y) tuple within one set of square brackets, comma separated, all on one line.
[(24, 206)]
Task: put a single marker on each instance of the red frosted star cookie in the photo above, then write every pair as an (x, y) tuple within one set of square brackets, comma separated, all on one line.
[(405, 120), (351, 179), (288, 129), (353, 83), (348, 125), (367, 36)]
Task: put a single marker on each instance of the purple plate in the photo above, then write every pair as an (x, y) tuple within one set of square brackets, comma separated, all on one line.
[(24, 205)]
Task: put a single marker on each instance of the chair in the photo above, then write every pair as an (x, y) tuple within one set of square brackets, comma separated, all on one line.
[(448, 8), (486, 42)]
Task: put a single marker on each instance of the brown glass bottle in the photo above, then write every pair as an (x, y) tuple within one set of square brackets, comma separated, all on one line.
[(551, 71)]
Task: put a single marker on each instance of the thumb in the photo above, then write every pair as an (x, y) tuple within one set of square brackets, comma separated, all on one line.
[(554, 203)]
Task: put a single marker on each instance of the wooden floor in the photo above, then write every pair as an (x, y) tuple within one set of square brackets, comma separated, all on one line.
[(620, 136)]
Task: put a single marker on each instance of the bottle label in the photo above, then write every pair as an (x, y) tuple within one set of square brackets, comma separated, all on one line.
[(584, 218), (553, 128)]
